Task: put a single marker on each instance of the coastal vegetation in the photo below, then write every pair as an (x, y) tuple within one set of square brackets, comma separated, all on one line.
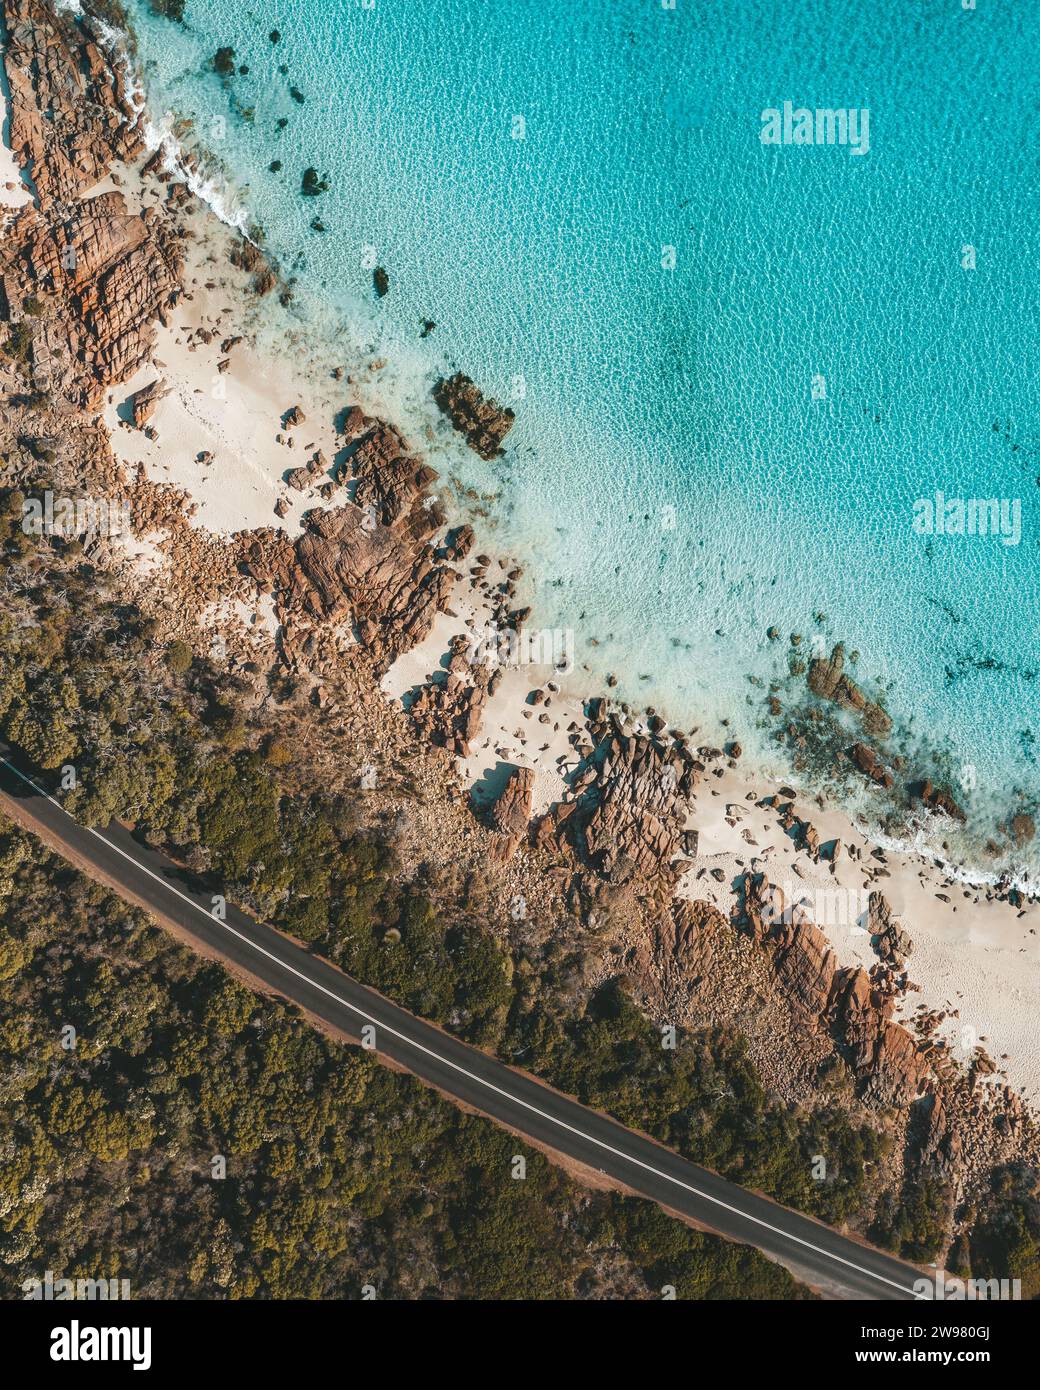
[(161, 1123), (1006, 1234)]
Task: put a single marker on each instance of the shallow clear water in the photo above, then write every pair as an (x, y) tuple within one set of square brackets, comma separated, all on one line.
[(640, 389)]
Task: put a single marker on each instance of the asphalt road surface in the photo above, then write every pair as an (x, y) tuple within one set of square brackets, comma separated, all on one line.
[(829, 1261)]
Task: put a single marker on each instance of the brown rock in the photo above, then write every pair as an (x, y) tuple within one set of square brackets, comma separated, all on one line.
[(1023, 829), (883, 1055), (70, 116), (826, 678), (939, 799), (868, 762), (511, 813), (146, 400), (484, 422), (112, 276), (806, 966)]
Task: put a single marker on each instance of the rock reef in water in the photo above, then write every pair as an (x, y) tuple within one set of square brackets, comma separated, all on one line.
[(939, 799), (485, 423), (827, 679), (868, 762)]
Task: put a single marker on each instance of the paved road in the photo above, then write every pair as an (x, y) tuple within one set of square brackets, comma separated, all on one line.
[(820, 1256)]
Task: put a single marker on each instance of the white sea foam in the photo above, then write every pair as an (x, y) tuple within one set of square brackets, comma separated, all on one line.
[(212, 189), (920, 838)]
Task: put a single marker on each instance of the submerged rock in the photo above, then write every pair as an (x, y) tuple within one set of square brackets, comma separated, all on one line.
[(827, 679), (1023, 829), (868, 762), (485, 423), (939, 799)]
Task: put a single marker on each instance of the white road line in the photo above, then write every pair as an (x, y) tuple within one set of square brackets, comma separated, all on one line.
[(455, 1066)]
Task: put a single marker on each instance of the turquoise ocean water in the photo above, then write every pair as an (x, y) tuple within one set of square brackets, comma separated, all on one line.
[(527, 172)]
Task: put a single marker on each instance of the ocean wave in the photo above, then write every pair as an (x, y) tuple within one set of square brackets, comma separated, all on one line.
[(210, 187), (919, 840)]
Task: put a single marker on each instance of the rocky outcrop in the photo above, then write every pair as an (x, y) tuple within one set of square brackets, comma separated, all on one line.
[(627, 820), (485, 423), (449, 709), (883, 1056), (88, 277), (806, 967), (511, 813), (391, 485), (107, 277), (340, 568), (891, 940), (308, 474), (827, 679), (371, 561), (940, 1148), (145, 401), (69, 110), (868, 762), (939, 799), (683, 939), (460, 543), (844, 1002)]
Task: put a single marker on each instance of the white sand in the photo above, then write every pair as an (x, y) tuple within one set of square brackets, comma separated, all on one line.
[(236, 416)]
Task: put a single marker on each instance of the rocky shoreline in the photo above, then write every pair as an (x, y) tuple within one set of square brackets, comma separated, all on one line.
[(91, 274)]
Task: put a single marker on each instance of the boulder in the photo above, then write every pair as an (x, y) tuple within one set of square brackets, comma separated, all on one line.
[(146, 400), (827, 679), (484, 423), (511, 813), (939, 799), (868, 762)]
